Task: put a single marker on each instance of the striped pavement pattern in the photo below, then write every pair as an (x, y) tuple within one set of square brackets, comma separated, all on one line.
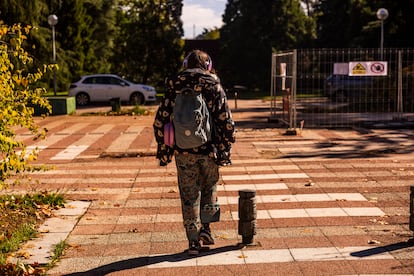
[(151, 202), (314, 216)]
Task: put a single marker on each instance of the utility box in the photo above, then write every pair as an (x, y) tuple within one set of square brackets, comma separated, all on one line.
[(60, 106)]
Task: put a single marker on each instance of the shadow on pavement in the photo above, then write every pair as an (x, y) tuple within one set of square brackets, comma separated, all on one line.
[(383, 249), (367, 146), (149, 260)]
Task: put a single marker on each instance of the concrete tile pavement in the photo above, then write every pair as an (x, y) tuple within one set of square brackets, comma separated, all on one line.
[(53, 231), (133, 226)]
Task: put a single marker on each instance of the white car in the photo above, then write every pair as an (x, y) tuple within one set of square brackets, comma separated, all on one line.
[(104, 87)]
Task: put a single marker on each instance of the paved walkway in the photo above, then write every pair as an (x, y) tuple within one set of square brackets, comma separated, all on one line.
[(329, 202)]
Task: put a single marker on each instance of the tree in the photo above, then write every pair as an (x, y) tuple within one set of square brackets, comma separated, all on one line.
[(246, 49), (31, 13), (22, 11), (19, 95), (211, 34), (251, 30), (397, 27), (84, 34), (86, 31), (104, 31), (74, 38), (354, 23), (291, 27), (149, 45)]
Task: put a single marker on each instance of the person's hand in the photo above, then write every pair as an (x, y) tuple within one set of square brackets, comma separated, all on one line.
[(223, 159), (163, 163)]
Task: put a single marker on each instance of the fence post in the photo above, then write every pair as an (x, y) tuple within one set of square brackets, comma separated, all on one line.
[(247, 215)]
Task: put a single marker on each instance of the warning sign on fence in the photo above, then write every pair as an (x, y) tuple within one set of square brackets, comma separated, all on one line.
[(368, 68)]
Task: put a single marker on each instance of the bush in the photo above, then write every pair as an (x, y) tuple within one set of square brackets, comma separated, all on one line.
[(18, 78)]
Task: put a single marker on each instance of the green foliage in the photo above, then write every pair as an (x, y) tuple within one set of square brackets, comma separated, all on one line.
[(149, 45), (141, 39), (19, 215), (354, 23), (30, 201), (31, 11), (134, 111), (21, 234), (251, 30), (291, 27), (210, 34), (19, 93), (58, 252), (86, 33), (18, 218)]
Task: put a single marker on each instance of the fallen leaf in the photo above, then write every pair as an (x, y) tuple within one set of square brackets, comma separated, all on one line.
[(373, 242), (75, 246), (23, 254), (222, 237), (47, 212), (360, 227)]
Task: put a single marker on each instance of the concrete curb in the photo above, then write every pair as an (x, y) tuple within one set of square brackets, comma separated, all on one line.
[(53, 231)]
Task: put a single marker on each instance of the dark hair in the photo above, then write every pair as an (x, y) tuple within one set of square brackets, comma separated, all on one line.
[(198, 59)]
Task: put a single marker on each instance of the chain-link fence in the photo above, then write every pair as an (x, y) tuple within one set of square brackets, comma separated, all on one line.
[(342, 87)]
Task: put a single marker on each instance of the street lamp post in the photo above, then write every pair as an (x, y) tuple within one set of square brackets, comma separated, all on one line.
[(382, 14), (53, 20)]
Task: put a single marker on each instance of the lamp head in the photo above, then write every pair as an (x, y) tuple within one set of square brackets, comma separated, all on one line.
[(52, 20), (382, 14)]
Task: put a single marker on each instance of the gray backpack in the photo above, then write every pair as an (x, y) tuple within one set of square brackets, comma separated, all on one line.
[(191, 119)]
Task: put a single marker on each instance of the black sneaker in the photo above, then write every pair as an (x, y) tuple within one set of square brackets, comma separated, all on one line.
[(205, 237), (194, 248)]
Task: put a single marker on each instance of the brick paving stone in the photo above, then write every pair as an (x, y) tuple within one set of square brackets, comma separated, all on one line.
[(133, 225)]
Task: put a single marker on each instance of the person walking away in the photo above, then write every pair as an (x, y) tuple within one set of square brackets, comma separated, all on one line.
[(197, 162)]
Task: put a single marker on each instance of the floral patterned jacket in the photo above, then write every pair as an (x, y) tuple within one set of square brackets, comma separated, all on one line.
[(215, 97)]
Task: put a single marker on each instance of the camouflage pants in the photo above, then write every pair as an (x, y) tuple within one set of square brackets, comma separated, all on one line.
[(197, 181)]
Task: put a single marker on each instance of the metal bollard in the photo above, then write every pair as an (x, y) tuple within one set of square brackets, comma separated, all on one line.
[(235, 100), (115, 104), (412, 208), (247, 215)]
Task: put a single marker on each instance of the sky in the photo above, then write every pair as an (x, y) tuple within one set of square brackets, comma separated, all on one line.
[(201, 14)]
